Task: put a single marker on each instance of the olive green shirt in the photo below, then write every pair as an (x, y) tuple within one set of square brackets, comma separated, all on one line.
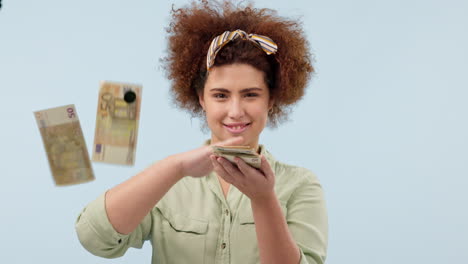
[(195, 223)]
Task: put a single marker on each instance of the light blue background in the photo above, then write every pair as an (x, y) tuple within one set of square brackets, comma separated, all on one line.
[(383, 123)]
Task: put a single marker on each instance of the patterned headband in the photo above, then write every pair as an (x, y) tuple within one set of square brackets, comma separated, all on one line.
[(265, 43)]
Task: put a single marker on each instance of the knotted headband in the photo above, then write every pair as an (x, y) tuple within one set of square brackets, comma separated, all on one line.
[(264, 42)]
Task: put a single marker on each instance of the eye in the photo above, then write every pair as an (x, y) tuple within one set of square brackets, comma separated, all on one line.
[(251, 95), (219, 96)]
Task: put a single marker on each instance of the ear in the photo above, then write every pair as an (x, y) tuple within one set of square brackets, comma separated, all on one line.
[(271, 102), (201, 100)]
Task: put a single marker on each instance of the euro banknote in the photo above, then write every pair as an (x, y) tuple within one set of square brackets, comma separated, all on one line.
[(65, 145), (117, 119)]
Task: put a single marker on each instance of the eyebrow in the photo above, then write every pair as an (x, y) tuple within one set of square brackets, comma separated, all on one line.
[(246, 90)]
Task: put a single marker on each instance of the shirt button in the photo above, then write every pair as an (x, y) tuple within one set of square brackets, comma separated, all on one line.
[(227, 212), (223, 245)]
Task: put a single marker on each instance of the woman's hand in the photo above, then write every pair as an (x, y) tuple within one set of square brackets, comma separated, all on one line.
[(257, 184), (197, 163)]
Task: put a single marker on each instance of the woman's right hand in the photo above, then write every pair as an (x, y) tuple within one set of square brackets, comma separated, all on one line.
[(197, 162)]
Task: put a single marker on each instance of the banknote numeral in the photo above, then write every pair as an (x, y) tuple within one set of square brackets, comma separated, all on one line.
[(71, 112)]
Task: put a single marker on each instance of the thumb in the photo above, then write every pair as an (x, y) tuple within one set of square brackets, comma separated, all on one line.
[(234, 141)]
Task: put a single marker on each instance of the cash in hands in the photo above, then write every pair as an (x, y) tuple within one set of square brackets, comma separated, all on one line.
[(246, 153)]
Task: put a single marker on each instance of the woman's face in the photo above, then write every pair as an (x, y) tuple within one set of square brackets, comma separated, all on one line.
[(236, 101)]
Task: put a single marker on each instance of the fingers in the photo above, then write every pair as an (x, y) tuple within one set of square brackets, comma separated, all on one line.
[(223, 169), (245, 168), (266, 168), (230, 168)]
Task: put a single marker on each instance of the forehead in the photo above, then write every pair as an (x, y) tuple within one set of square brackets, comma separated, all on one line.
[(235, 76)]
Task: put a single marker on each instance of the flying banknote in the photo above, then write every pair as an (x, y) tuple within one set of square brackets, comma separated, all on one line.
[(117, 119), (65, 145)]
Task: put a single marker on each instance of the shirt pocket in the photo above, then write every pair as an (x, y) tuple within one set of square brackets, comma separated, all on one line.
[(183, 237)]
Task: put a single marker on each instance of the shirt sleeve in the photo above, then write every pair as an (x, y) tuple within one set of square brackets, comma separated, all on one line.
[(98, 236), (308, 221)]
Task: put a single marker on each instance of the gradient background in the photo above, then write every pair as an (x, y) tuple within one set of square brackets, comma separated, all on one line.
[(383, 123)]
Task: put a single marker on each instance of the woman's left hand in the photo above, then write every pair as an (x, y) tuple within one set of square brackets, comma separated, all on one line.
[(257, 184)]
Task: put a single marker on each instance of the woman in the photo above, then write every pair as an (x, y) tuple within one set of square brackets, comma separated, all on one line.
[(239, 68)]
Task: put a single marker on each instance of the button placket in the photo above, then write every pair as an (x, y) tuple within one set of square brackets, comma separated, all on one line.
[(227, 227)]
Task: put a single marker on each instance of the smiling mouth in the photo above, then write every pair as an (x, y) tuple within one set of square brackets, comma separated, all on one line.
[(237, 128)]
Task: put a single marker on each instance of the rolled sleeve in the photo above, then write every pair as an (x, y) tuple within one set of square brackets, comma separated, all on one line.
[(307, 220), (304, 260), (98, 236)]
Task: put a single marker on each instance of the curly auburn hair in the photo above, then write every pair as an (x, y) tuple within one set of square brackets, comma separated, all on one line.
[(191, 31)]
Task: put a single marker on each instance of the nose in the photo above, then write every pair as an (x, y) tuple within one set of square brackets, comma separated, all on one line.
[(236, 109)]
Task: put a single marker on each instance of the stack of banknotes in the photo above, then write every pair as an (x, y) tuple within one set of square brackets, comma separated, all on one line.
[(246, 153)]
